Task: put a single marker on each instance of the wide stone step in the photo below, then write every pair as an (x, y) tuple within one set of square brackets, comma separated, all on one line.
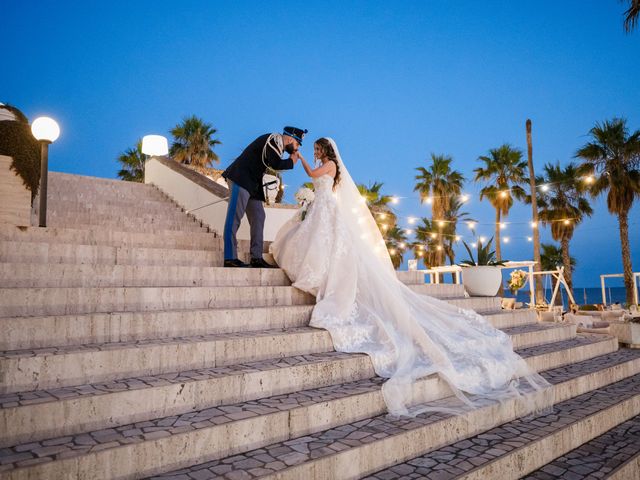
[(540, 334), (78, 183), (442, 290), (55, 367), (47, 253), (62, 203), (201, 240), (35, 275), (60, 330), (110, 275), (513, 318), (113, 217), (480, 305), (614, 455), (359, 448), (21, 333), (128, 224), (65, 301), (35, 414), (278, 436)]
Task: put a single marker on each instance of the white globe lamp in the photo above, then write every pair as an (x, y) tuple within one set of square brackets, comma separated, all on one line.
[(46, 131), (155, 145)]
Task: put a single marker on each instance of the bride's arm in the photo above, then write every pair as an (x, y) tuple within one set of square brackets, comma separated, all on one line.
[(327, 168)]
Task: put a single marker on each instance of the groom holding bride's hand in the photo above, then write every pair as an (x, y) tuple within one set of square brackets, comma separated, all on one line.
[(244, 177)]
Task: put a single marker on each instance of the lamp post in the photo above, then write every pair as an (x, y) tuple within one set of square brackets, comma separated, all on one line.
[(46, 131)]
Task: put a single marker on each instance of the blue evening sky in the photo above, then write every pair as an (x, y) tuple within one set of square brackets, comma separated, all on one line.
[(390, 81)]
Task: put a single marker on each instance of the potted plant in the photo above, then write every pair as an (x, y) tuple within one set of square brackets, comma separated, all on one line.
[(482, 278)]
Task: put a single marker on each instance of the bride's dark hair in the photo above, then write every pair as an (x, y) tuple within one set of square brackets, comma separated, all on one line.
[(329, 154)]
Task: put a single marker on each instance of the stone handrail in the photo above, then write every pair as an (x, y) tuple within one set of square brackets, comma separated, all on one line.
[(207, 199)]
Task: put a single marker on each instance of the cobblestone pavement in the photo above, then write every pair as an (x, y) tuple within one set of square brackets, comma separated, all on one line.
[(443, 463), (530, 327), (41, 396), (597, 458)]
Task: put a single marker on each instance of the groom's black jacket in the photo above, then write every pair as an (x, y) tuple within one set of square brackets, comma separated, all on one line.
[(247, 170)]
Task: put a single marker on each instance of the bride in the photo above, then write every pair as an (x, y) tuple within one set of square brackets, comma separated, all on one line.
[(336, 253)]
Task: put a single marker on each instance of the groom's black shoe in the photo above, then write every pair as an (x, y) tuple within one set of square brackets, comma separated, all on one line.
[(260, 263), (235, 263)]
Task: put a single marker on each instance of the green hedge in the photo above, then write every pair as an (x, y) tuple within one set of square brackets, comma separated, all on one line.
[(17, 142)]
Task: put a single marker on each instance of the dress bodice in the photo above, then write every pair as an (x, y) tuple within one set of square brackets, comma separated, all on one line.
[(322, 184)]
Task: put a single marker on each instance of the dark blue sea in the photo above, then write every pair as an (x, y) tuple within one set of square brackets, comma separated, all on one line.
[(581, 295)]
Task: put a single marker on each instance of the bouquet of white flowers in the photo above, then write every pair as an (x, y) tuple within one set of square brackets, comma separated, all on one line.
[(304, 197), (517, 281)]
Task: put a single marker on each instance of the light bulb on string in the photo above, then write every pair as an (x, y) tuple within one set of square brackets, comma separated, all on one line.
[(529, 239), (483, 239), (534, 224), (506, 239), (412, 220), (504, 194), (433, 235), (471, 225), (408, 231), (503, 225), (474, 244), (464, 198), (395, 200), (589, 179), (441, 223), (402, 245), (567, 221), (544, 187), (392, 251), (457, 238)]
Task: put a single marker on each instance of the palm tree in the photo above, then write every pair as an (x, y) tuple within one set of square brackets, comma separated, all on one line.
[(427, 242), (563, 206), (132, 161), (614, 155), (379, 204), (452, 216), (386, 219), (439, 184), (504, 174), (631, 15), (193, 142), (396, 240)]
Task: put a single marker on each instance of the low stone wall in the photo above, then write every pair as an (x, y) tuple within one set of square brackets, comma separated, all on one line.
[(192, 190), (15, 199)]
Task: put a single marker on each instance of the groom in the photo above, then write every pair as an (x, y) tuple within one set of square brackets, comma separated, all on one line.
[(244, 177)]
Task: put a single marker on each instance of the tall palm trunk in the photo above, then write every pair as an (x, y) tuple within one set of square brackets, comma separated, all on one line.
[(566, 261), (534, 208), (498, 249), (623, 221)]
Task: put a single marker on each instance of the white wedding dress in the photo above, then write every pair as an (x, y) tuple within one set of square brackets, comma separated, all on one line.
[(338, 255)]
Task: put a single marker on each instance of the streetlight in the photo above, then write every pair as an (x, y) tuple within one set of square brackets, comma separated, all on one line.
[(46, 131)]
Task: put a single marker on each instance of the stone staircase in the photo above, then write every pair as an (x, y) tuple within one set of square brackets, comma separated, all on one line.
[(127, 352)]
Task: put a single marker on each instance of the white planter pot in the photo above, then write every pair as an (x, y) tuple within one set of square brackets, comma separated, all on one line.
[(482, 281)]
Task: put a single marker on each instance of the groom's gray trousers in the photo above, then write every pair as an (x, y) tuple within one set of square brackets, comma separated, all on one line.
[(240, 202)]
